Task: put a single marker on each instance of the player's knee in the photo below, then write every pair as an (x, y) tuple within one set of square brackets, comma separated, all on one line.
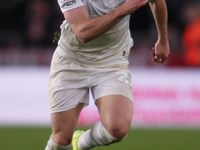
[(60, 139), (117, 130), (118, 133)]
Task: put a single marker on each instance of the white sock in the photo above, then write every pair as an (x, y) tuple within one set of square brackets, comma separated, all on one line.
[(51, 145), (96, 136)]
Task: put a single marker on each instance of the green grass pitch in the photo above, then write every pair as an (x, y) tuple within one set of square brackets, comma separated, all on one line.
[(35, 138)]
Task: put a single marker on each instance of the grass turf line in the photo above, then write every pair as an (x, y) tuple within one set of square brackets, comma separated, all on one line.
[(35, 138)]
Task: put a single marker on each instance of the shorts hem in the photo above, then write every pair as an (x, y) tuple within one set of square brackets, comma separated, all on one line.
[(129, 97), (59, 110)]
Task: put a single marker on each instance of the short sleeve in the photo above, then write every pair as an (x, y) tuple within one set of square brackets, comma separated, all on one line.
[(66, 5)]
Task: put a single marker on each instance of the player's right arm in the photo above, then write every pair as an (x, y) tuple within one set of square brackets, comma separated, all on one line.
[(88, 29)]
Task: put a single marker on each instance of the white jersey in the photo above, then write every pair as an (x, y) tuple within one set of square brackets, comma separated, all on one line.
[(111, 48)]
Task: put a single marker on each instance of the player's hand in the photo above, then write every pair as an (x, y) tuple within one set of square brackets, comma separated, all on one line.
[(160, 52), (130, 6)]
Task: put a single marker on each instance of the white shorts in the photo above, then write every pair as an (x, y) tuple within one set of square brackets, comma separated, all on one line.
[(69, 83)]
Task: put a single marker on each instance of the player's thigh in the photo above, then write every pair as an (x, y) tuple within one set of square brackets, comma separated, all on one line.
[(116, 112), (114, 98)]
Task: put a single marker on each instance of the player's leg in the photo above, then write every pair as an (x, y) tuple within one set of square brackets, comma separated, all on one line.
[(68, 92), (63, 125), (113, 95), (116, 115), (65, 107)]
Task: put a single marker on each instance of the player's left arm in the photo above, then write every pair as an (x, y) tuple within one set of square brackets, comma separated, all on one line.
[(161, 49)]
